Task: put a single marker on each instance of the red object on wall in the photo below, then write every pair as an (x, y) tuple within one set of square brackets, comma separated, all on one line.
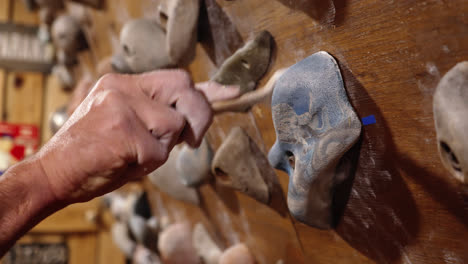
[(17, 141)]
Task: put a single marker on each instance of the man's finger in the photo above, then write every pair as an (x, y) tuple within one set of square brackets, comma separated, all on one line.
[(163, 85), (151, 152), (162, 121), (175, 88), (214, 91)]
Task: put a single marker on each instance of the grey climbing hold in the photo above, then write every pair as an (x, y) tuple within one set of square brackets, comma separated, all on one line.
[(165, 179), (315, 127), (193, 165)]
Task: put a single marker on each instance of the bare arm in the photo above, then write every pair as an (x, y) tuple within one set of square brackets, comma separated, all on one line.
[(25, 200), (124, 129)]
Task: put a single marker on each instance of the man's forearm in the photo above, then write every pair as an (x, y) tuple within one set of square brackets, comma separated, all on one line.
[(25, 200)]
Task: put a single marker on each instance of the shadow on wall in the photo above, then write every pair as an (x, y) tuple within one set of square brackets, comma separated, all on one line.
[(323, 11), (381, 218)]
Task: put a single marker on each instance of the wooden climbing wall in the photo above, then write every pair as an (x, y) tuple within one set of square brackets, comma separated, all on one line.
[(403, 206)]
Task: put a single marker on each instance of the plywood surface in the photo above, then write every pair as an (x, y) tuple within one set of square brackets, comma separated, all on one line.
[(403, 206), (4, 10), (82, 248), (21, 15), (24, 98), (2, 92), (391, 56), (76, 218)]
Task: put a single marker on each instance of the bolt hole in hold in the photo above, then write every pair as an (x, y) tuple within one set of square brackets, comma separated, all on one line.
[(245, 64), (221, 174), (19, 81), (291, 159), (163, 17), (126, 49), (450, 156)]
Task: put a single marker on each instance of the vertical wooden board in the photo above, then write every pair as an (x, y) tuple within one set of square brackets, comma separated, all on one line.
[(107, 250), (82, 248), (21, 15), (2, 92), (55, 97), (24, 98), (4, 10)]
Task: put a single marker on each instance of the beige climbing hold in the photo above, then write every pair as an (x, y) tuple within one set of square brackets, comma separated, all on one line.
[(241, 165), (143, 47), (237, 254), (175, 245), (206, 248)]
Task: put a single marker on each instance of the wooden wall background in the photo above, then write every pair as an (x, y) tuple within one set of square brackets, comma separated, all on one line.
[(403, 206)]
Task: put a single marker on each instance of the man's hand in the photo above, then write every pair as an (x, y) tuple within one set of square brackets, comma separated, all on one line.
[(124, 129)]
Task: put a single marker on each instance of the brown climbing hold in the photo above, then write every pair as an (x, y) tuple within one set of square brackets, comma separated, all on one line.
[(450, 115), (237, 254), (248, 64), (241, 165), (182, 30), (175, 245)]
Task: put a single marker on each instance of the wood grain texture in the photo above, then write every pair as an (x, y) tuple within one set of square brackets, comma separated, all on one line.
[(24, 98), (403, 206), (4, 10), (2, 92), (82, 248), (21, 15), (76, 218), (107, 251)]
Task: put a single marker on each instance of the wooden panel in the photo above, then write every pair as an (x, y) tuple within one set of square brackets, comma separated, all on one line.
[(403, 208), (107, 250), (24, 98), (83, 248), (81, 217), (55, 97), (2, 92), (31, 238), (4, 10), (21, 15)]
